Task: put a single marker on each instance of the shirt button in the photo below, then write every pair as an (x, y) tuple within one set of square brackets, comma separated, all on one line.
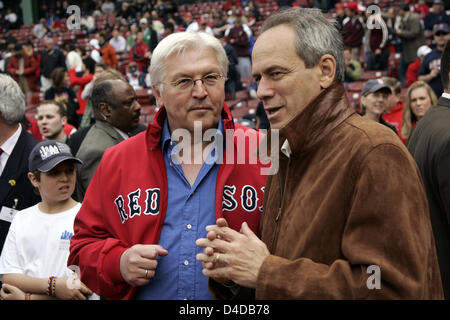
[(186, 262), (189, 226)]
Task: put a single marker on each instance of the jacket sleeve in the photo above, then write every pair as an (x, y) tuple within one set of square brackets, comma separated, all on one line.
[(93, 248), (114, 61), (12, 67), (31, 67), (81, 81), (387, 225), (414, 31), (443, 178)]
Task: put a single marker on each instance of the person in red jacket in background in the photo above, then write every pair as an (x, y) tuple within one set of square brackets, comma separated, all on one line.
[(394, 107), (353, 30), (108, 53), (88, 75), (412, 72), (22, 68), (421, 8), (139, 52)]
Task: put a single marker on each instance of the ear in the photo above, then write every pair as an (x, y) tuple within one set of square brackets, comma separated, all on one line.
[(158, 96), (362, 101), (33, 180), (327, 67), (64, 120), (105, 109)]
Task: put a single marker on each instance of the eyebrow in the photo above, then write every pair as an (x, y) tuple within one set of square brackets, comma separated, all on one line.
[(184, 75), (271, 69)]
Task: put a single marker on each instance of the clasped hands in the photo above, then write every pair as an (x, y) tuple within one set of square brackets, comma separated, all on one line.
[(230, 255)]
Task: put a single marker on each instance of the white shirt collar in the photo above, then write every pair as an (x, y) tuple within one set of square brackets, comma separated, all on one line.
[(446, 95), (286, 149), (122, 134), (9, 144)]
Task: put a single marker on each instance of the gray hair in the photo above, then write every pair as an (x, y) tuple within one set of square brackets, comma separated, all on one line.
[(12, 100), (178, 43), (315, 36)]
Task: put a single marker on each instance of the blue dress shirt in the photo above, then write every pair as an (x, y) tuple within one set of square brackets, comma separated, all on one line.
[(190, 209)]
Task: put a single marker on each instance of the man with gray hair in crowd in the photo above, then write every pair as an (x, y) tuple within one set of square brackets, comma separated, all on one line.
[(146, 205), (16, 191), (346, 216)]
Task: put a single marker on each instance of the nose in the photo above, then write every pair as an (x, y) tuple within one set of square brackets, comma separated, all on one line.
[(64, 176), (199, 91), (137, 105), (264, 90)]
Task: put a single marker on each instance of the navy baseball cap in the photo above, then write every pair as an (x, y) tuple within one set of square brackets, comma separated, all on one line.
[(441, 27), (375, 85), (48, 154)]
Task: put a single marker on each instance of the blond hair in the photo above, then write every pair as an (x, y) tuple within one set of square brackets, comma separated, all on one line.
[(408, 116)]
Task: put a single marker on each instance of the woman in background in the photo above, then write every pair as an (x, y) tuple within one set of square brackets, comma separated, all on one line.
[(419, 98)]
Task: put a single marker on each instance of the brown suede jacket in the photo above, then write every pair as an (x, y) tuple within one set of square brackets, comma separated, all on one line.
[(350, 196)]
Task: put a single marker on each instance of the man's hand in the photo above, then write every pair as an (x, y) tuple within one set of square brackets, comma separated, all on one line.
[(435, 72), (209, 251), (10, 292), (232, 255), (138, 263)]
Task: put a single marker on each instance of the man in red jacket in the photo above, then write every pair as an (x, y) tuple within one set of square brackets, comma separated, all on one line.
[(394, 108), (108, 53), (153, 194), (353, 30), (23, 69), (412, 73), (139, 52)]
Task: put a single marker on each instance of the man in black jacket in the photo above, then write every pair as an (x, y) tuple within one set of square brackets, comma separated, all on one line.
[(51, 59), (16, 191), (429, 144)]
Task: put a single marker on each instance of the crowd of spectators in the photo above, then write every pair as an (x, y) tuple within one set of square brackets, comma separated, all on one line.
[(400, 40)]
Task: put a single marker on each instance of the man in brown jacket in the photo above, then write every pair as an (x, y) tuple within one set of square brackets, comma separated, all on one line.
[(346, 216)]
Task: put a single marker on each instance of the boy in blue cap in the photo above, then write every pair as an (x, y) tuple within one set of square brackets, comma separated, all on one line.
[(33, 263)]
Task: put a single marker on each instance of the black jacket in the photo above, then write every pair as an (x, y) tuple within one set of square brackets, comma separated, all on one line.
[(14, 183), (51, 60), (429, 144)]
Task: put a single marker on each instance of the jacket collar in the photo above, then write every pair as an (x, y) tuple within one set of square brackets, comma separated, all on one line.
[(154, 130), (109, 129), (443, 101), (397, 108), (309, 127)]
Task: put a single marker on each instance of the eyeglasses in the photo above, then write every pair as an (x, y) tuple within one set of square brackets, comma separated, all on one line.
[(209, 81)]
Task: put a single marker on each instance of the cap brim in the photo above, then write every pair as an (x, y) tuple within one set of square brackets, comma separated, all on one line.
[(55, 161), (379, 87)]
